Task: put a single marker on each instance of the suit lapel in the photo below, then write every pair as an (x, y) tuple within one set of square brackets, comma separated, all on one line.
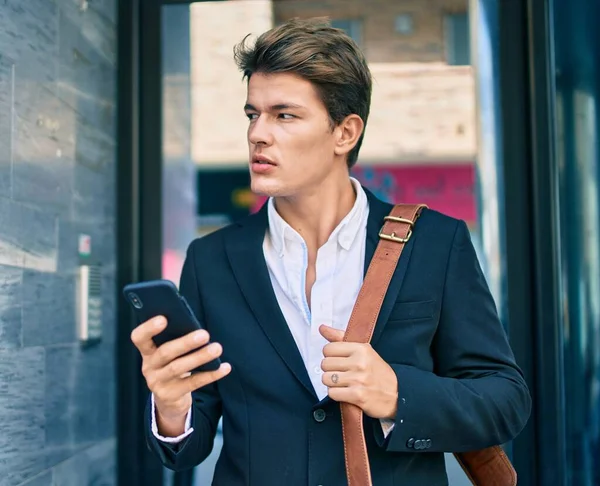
[(377, 211), (245, 252)]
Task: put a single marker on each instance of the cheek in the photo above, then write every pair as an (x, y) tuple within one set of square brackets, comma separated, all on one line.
[(312, 142)]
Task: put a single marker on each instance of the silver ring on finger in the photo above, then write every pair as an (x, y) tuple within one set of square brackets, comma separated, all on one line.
[(335, 378)]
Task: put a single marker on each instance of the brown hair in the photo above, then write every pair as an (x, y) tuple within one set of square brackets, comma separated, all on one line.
[(317, 52)]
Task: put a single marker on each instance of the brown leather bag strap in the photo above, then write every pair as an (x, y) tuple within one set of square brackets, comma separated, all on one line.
[(396, 231), (487, 467)]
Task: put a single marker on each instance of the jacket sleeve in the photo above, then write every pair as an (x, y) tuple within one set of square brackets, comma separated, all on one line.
[(206, 401), (477, 396)]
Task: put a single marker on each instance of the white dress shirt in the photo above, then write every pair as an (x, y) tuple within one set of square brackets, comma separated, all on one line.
[(339, 277)]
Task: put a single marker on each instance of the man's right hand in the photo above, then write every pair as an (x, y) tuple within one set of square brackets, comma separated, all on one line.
[(167, 371)]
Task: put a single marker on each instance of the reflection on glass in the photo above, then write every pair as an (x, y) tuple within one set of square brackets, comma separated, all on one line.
[(581, 286), (491, 232), (421, 138), (178, 170), (577, 99)]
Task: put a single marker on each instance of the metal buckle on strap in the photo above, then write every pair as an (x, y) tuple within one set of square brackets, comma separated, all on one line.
[(393, 237)]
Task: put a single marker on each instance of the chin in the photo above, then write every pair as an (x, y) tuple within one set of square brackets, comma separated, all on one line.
[(264, 187)]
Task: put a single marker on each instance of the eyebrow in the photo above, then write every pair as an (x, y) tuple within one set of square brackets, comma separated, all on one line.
[(277, 107)]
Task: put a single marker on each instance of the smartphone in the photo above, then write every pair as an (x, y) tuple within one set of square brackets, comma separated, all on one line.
[(161, 298)]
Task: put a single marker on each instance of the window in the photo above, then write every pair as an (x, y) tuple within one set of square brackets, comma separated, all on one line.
[(352, 27), (457, 36)]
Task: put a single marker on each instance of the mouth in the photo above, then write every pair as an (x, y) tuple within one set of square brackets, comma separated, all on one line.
[(262, 160)]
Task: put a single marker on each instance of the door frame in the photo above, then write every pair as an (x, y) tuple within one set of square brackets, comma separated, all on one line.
[(532, 220), (136, 245), (139, 217)]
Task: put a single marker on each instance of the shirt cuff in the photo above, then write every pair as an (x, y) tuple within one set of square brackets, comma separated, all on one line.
[(171, 440), (387, 425)]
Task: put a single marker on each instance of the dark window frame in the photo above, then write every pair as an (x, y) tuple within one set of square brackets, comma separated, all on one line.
[(532, 253)]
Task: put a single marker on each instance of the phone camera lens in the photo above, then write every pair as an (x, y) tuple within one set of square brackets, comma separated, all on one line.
[(135, 300)]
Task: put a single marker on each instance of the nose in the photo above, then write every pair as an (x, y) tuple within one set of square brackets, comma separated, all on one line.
[(259, 132)]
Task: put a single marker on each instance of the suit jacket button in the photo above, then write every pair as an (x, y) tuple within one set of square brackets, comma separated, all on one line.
[(319, 415), (410, 443), (428, 444)]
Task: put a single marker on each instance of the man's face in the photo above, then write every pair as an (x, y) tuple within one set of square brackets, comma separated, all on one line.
[(291, 143)]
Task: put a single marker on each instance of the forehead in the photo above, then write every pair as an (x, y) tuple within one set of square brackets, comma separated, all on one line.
[(281, 88)]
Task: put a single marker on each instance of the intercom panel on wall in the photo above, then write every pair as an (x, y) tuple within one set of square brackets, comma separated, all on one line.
[(89, 294)]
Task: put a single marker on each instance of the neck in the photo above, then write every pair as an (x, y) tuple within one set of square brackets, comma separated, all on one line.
[(316, 213)]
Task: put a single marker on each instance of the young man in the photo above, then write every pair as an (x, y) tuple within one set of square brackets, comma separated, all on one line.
[(276, 290)]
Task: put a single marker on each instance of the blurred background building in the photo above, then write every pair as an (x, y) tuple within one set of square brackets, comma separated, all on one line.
[(122, 138)]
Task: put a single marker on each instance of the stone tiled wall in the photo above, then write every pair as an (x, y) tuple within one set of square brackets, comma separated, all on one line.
[(57, 169)]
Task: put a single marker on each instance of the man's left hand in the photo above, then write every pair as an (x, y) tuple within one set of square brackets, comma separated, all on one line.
[(356, 374)]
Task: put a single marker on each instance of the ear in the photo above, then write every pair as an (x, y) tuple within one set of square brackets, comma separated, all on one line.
[(347, 134)]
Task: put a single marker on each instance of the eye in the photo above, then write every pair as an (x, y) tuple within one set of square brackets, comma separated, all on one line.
[(252, 116), (286, 116)]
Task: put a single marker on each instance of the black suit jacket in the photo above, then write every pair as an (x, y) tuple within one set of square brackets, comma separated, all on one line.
[(459, 386)]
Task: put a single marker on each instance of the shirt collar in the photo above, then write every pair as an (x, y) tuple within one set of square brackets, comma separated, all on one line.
[(345, 232)]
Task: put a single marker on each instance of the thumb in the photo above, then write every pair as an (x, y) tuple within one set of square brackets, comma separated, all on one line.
[(331, 334)]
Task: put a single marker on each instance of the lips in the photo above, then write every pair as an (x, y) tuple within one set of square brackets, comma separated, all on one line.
[(262, 165), (262, 160)]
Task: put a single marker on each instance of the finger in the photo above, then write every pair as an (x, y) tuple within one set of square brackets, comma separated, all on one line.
[(348, 394), (178, 347), (340, 350), (142, 335), (336, 364), (331, 334), (182, 367), (203, 378), (335, 379)]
